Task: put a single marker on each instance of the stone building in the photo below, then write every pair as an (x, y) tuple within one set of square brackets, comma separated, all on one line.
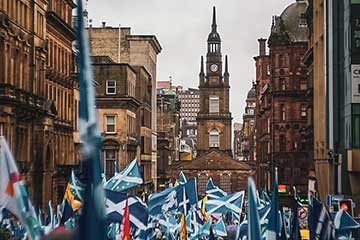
[(140, 50), (214, 117), (286, 101), (248, 130), (214, 158), (168, 132), (237, 141), (38, 103)]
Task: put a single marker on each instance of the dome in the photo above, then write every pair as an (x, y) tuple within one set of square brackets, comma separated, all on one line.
[(214, 37), (252, 93), (292, 22)]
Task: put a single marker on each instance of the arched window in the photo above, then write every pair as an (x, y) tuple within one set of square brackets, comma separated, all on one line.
[(214, 104), (214, 138)]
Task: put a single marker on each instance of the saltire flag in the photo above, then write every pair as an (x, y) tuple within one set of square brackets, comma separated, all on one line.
[(50, 221), (211, 234), (219, 228), (241, 233), (125, 223), (92, 219), (114, 208), (13, 194), (74, 192), (253, 232), (188, 222), (182, 178), (232, 202), (319, 221), (273, 227), (129, 177), (344, 225), (264, 196), (173, 199), (204, 231), (183, 232), (213, 191)]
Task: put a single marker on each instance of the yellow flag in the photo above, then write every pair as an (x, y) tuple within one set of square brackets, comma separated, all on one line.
[(75, 204), (183, 234)]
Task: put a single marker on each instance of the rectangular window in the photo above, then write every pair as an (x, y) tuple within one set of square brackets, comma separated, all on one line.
[(110, 87), (110, 160), (282, 143), (303, 110), (283, 112), (110, 124), (214, 104), (303, 84), (282, 84)]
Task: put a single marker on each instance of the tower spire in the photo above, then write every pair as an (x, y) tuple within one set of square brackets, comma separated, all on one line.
[(214, 20), (226, 65), (202, 65)]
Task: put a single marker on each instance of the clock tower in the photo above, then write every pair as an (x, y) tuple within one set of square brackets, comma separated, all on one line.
[(214, 117)]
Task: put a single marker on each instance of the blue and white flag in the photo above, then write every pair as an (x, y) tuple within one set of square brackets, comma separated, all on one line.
[(115, 204), (92, 220), (219, 228), (344, 225), (232, 202), (173, 199), (273, 227), (319, 221), (129, 177), (182, 178), (213, 191), (253, 232)]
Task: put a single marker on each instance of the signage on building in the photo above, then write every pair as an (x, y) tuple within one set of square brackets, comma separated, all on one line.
[(355, 32), (355, 82)]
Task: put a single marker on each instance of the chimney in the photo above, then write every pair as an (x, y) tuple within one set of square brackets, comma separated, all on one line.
[(103, 24), (262, 46)]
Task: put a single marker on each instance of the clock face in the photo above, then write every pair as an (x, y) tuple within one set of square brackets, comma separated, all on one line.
[(214, 67)]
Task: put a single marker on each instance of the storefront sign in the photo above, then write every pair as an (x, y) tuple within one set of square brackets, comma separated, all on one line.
[(355, 82)]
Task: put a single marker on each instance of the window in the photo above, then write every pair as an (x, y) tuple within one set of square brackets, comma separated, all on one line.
[(110, 124), (214, 138), (281, 60), (282, 143), (283, 112), (214, 104), (303, 84), (282, 84), (268, 70), (225, 182), (202, 181), (303, 110), (110, 87), (109, 162)]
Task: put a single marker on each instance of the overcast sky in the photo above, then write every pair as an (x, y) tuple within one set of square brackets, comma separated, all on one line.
[(182, 27)]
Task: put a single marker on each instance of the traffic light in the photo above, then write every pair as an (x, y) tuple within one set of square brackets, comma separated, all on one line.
[(346, 205)]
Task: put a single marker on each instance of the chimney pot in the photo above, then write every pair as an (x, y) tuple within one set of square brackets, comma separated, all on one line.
[(103, 24)]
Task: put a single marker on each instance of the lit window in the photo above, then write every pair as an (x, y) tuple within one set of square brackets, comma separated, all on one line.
[(110, 87), (214, 138), (110, 124), (283, 112), (214, 104), (303, 84), (282, 84), (303, 110)]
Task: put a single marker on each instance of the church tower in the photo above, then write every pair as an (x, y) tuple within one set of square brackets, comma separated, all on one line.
[(214, 117)]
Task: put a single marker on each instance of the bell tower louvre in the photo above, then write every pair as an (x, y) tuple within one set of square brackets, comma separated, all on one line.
[(214, 118)]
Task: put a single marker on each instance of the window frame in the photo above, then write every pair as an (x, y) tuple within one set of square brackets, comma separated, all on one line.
[(212, 133), (107, 124), (107, 87), (213, 104)]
